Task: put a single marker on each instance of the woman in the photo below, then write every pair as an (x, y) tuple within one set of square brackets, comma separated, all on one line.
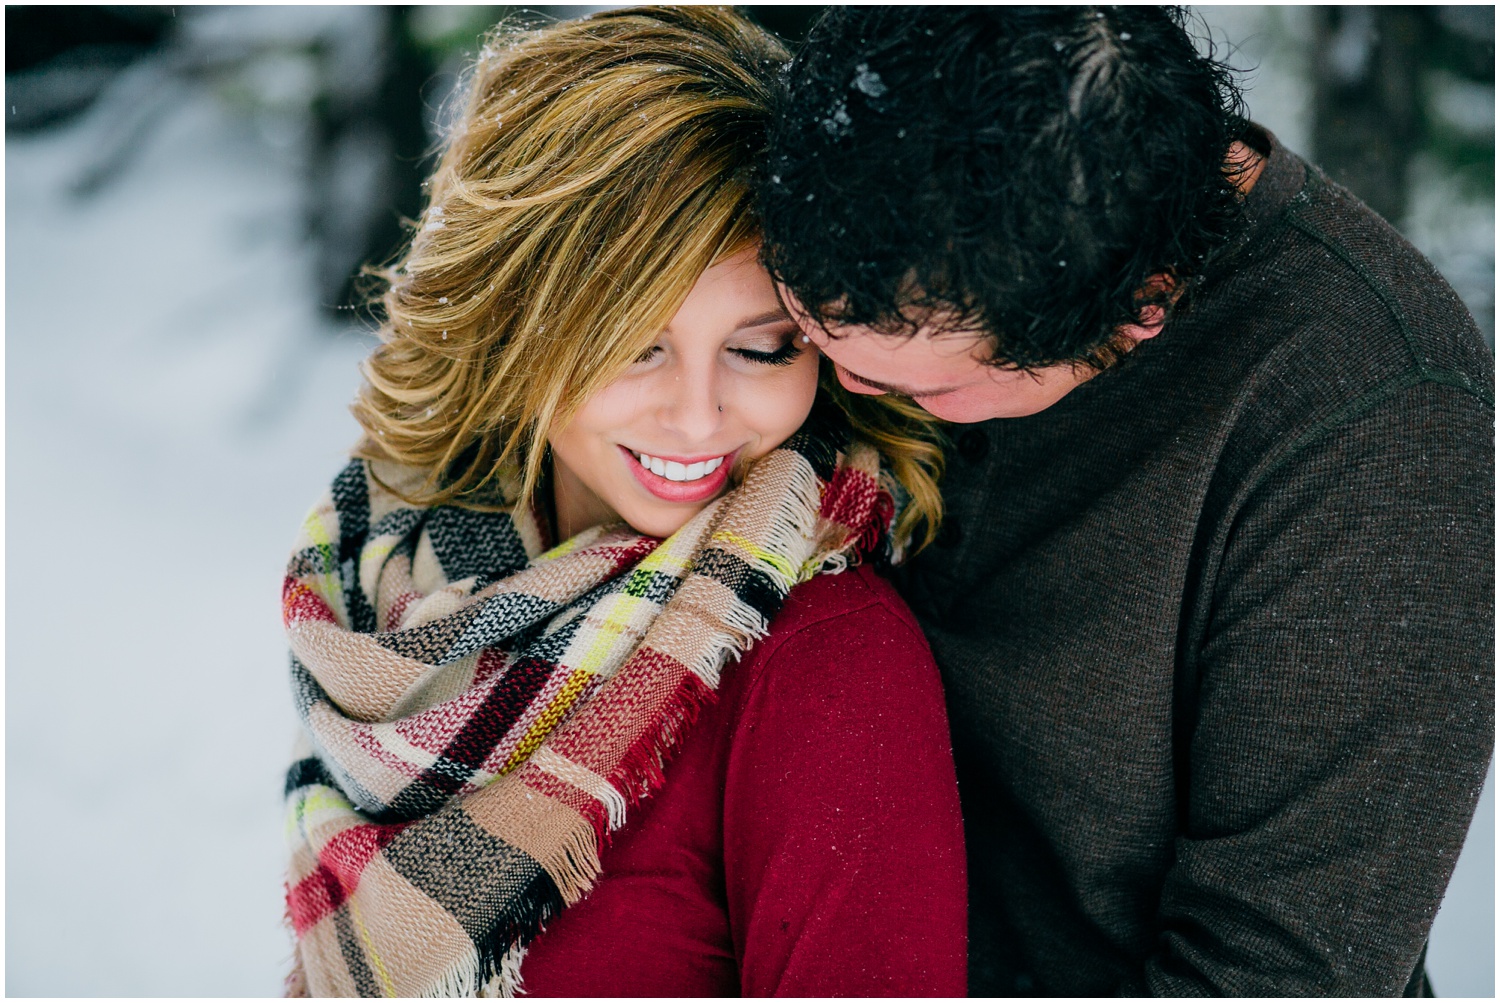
[(581, 346)]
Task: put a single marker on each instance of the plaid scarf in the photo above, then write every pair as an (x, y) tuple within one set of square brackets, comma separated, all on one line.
[(478, 715)]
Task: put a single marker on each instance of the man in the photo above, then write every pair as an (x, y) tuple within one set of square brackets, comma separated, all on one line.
[(1213, 599)]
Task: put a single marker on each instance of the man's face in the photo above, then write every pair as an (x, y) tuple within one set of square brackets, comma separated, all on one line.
[(945, 373)]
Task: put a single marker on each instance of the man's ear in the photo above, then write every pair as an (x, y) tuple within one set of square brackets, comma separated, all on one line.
[(1153, 316)]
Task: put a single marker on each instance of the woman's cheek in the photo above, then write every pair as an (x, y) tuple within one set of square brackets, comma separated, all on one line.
[(618, 405), (781, 404)]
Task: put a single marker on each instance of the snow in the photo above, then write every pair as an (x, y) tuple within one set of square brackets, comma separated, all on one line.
[(175, 403)]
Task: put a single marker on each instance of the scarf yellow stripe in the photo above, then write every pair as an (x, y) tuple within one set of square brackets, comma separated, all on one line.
[(760, 553), (548, 719), (364, 935)]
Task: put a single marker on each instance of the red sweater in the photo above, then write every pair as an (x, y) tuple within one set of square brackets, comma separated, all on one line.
[(808, 840)]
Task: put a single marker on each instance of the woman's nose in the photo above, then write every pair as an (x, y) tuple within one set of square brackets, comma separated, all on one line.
[(690, 406)]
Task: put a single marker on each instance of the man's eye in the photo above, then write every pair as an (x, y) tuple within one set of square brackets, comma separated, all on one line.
[(783, 356)]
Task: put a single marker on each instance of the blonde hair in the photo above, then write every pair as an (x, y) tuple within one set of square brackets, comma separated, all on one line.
[(597, 168)]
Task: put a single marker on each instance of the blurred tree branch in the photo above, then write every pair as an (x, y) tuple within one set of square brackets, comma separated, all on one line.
[(1376, 73)]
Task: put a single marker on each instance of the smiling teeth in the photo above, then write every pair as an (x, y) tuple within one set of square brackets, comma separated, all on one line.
[(674, 471)]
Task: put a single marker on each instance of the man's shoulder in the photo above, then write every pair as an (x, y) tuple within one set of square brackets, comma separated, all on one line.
[(1372, 289), (1323, 283), (1326, 311)]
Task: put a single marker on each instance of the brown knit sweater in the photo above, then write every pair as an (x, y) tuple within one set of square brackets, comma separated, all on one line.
[(1217, 630)]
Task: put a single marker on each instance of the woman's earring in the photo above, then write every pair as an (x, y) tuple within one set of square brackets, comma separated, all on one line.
[(805, 339)]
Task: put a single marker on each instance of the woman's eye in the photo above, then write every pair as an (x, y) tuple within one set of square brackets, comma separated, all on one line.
[(648, 354), (783, 356)]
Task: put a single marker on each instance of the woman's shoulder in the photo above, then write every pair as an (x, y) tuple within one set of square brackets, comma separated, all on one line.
[(852, 627), (858, 596), (840, 808)]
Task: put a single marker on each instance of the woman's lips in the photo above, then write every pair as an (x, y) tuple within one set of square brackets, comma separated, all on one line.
[(708, 484)]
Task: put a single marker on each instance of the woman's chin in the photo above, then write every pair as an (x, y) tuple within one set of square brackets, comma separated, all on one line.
[(662, 523)]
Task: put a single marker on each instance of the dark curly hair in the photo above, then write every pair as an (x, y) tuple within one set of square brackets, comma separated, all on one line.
[(1020, 171)]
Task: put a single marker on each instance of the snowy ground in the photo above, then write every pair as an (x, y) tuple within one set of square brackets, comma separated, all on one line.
[(174, 402)]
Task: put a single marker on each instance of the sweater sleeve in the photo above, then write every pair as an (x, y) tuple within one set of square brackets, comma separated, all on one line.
[(843, 842), (1343, 716)]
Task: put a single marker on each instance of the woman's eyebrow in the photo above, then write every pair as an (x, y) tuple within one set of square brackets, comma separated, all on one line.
[(760, 320)]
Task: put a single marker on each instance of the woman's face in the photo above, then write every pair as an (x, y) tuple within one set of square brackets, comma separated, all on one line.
[(728, 380)]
